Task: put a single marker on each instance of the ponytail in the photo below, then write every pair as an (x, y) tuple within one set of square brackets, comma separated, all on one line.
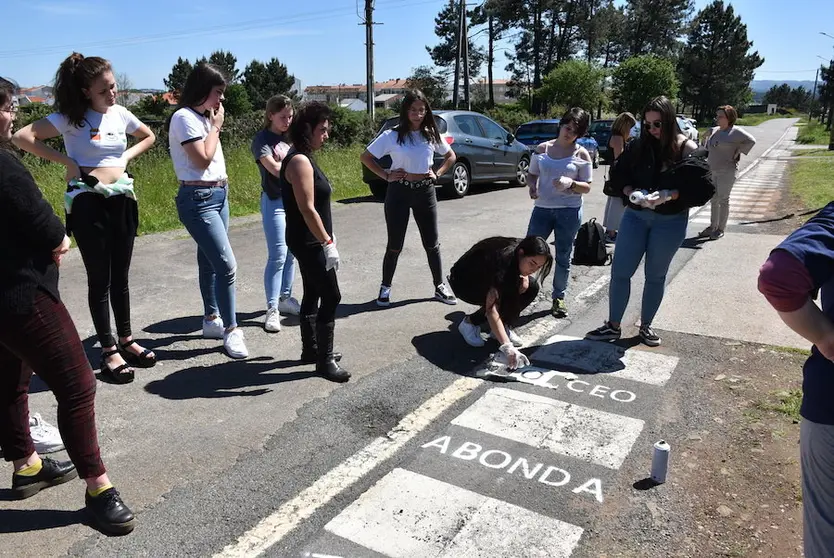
[(75, 74)]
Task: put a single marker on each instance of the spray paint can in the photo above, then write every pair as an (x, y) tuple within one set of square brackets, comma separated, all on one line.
[(660, 461)]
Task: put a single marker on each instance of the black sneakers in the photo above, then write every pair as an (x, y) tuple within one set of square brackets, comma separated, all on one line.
[(109, 513), (52, 473), (649, 337), (606, 332)]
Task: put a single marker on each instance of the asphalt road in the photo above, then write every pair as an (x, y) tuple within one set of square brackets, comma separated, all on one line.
[(394, 463)]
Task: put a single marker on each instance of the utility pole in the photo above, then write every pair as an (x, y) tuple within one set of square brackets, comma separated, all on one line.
[(369, 53), (830, 89), (458, 52), (465, 41), (813, 94)]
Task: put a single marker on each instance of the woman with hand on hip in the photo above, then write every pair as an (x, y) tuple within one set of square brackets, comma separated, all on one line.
[(560, 172), (306, 193), (726, 144), (412, 145), (100, 201), (269, 147), (614, 205), (203, 200), (37, 335)]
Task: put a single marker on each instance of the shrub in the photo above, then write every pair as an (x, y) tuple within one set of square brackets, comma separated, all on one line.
[(510, 116), (348, 127)]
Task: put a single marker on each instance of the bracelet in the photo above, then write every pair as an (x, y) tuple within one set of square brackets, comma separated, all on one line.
[(327, 242)]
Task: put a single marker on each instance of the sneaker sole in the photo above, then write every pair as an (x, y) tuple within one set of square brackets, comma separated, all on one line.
[(610, 337), (31, 489), (113, 528), (446, 301), (269, 329), (650, 342), (383, 304)]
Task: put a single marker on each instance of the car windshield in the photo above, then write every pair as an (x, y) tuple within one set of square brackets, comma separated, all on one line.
[(600, 126), (538, 130), (391, 122), (683, 123)]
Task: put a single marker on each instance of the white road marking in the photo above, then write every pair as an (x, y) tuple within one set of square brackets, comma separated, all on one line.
[(273, 528), (594, 287), (563, 428), (407, 515)]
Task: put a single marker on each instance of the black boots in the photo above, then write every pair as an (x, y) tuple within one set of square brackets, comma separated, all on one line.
[(326, 361), (309, 347)]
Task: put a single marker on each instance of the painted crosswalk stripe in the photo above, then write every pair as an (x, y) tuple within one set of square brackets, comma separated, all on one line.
[(593, 357), (563, 428), (407, 515)]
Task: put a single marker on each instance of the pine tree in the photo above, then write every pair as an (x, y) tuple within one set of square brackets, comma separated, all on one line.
[(654, 26), (176, 79), (262, 81), (446, 28)]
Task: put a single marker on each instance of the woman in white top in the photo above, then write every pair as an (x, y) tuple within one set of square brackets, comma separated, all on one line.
[(203, 202), (100, 201), (560, 172), (412, 145)]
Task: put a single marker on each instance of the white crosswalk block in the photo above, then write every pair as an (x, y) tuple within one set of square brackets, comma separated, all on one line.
[(563, 428), (408, 515)]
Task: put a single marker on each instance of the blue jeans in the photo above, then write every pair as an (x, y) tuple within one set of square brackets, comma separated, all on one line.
[(564, 223), (205, 214), (280, 264), (658, 237)]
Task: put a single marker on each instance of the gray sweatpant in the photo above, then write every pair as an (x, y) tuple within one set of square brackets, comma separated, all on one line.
[(816, 451), (720, 209)]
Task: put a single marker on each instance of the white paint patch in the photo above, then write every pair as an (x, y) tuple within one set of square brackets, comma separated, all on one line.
[(594, 287), (407, 515), (273, 528), (595, 436), (595, 357), (553, 379)]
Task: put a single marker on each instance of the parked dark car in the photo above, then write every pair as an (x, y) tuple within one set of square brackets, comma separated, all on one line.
[(534, 132), (485, 151), (600, 130)]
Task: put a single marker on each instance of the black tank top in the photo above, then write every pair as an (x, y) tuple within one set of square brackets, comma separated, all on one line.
[(298, 234)]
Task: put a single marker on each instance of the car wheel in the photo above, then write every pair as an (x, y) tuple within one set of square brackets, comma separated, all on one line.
[(521, 172), (378, 190), (460, 180)]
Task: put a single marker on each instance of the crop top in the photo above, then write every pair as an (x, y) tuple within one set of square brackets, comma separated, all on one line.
[(101, 140)]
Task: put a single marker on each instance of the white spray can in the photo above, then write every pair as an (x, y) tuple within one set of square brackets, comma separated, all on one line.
[(660, 461)]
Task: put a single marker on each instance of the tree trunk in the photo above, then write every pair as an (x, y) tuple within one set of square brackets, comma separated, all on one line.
[(537, 77), (490, 54)]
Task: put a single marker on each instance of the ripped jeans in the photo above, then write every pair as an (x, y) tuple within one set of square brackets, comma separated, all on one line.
[(205, 214)]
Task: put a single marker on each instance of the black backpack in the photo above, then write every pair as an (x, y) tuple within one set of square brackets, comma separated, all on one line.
[(589, 247)]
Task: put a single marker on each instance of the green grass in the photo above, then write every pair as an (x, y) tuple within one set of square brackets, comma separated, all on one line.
[(787, 403), (813, 133), (823, 152), (792, 350), (756, 119), (156, 184), (812, 180)]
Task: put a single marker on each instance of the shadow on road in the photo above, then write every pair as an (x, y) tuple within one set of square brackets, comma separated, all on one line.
[(22, 521), (448, 351)]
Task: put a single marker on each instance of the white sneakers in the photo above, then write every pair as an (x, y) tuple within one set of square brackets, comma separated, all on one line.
[(471, 333), (289, 306), (213, 329), (234, 344), (46, 437), (272, 323)]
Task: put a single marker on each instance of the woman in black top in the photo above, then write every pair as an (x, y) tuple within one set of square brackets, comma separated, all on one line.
[(38, 335), (502, 276), (306, 194), (660, 178)]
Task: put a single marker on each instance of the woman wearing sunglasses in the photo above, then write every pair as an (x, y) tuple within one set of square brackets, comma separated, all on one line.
[(654, 223)]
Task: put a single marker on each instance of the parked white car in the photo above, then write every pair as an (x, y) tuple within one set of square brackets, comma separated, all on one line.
[(685, 125)]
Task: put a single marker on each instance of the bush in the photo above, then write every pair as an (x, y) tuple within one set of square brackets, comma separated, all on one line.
[(348, 127), (510, 116)]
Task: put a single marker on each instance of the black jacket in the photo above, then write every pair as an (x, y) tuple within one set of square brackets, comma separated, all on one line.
[(29, 231), (639, 169)]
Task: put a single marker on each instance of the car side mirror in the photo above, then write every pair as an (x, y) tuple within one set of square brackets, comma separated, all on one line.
[(510, 138)]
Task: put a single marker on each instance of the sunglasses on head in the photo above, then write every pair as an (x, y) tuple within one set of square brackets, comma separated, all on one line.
[(654, 124)]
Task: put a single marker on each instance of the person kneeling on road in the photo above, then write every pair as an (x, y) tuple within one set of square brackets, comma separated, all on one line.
[(501, 275)]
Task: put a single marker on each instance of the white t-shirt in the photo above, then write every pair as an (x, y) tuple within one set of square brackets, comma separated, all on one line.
[(549, 169), (415, 155), (188, 126), (101, 140)]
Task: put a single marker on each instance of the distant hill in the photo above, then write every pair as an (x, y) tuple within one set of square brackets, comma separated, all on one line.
[(762, 85)]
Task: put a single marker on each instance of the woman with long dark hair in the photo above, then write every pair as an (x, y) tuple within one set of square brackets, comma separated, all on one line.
[(614, 205), (502, 276), (269, 147), (100, 201), (412, 145), (654, 223), (560, 172), (306, 193), (203, 200), (37, 335)]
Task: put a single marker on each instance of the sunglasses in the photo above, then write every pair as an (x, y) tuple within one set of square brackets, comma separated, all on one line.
[(657, 124)]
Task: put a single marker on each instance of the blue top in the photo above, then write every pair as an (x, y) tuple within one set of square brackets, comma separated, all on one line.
[(813, 245)]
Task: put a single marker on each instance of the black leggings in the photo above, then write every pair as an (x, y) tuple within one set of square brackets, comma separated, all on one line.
[(105, 229), (400, 200), (320, 285), (526, 298)]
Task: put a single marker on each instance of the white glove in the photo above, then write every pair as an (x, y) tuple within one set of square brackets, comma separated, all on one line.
[(638, 197), (331, 257), (562, 183), (515, 358)]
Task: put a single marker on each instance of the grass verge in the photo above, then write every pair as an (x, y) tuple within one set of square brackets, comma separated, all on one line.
[(812, 180), (787, 403), (156, 184), (812, 133), (822, 152)]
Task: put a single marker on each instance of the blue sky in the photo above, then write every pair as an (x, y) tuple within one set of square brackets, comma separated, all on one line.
[(321, 42)]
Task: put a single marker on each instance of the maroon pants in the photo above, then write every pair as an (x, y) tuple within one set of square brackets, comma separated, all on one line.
[(46, 342)]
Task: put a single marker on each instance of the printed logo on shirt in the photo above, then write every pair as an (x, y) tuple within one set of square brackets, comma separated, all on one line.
[(95, 134)]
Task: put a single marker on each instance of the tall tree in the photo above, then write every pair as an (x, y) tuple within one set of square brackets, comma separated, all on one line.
[(498, 17), (262, 81), (444, 53), (176, 79), (605, 30), (716, 65), (226, 61), (639, 79), (779, 95), (431, 83), (656, 26)]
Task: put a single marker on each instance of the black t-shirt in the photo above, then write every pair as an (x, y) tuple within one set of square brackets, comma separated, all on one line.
[(482, 268), (298, 234)]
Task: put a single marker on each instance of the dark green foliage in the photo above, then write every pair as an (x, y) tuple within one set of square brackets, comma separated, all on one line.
[(153, 106), (226, 61), (262, 81), (656, 26), (432, 84), (446, 29), (237, 101), (176, 79), (641, 78)]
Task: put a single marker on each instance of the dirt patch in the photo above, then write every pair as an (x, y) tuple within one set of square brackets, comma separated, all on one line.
[(733, 487)]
